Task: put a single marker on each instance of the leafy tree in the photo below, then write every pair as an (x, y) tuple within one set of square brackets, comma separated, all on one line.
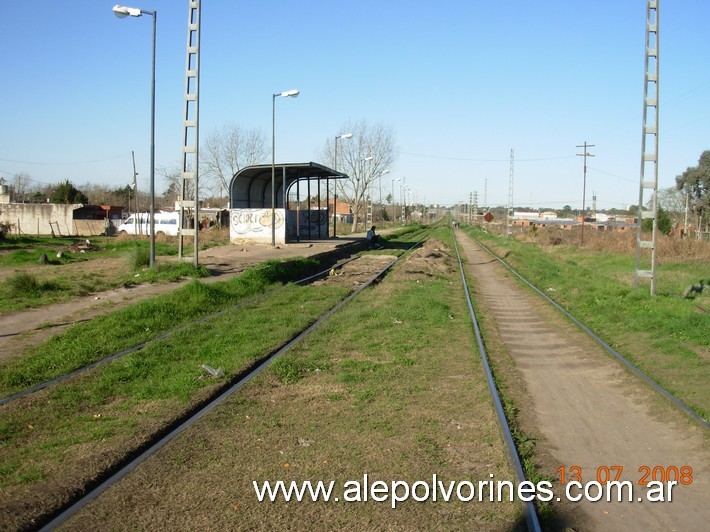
[(695, 181), (67, 193), (665, 223), (364, 158)]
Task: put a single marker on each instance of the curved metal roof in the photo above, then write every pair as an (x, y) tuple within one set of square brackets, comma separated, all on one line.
[(251, 186)]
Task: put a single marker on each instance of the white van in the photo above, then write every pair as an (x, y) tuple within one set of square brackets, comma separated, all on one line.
[(166, 223)]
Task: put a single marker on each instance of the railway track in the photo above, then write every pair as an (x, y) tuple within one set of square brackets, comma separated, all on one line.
[(529, 511), (122, 468), (119, 470), (171, 332), (586, 405), (138, 347), (613, 352)]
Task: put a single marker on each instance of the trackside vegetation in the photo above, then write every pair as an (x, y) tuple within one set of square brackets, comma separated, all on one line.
[(390, 386), (666, 336), (80, 345)]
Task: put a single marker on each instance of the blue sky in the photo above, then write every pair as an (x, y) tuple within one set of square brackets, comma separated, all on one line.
[(461, 82)]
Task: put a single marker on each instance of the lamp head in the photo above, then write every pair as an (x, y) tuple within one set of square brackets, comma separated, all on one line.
[(345, 136), (291, 94), (123, 11)]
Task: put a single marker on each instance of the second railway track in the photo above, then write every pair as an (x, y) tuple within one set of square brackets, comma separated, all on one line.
[(347, 277)]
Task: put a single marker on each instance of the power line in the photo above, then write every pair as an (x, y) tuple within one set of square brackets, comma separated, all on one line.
[(481, 160), (64, 163)]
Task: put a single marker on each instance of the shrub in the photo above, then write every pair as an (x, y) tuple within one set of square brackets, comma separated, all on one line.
[(23, 284), (139, 257)]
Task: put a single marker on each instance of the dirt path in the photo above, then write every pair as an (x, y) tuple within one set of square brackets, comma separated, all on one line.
[(590, 412), (19, 330)]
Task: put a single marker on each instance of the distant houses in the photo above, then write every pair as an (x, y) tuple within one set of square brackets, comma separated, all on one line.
[(598, 221)]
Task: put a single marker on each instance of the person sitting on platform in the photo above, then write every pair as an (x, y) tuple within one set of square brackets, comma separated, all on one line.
[(372, 238)]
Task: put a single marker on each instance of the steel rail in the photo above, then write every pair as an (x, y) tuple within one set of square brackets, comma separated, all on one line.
[(531, 518), (166, 334), (660, 389), (56, 518)]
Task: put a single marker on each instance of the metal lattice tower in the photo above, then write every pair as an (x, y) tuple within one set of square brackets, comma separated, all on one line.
[(509, 209), (649, 147), (189, 197), (474, 207), (485, 194)]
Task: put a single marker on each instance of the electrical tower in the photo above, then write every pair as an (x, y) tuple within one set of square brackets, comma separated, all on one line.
[(649, 146), (474, 207), (485, 194), (509, 209), (189, 197), (470, 204)]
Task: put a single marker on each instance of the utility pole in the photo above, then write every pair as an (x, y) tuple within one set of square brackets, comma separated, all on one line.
[(649, 146), (189, 176), (470, 205), (584, 185), (135, 183), (509, 210)]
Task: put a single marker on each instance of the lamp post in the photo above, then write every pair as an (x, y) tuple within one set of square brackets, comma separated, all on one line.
[(287, 94), (392, 195), (379, 179), (123, 12), (366, 183), (335, 167)]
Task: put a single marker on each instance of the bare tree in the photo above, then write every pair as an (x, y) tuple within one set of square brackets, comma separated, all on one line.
[(20, 183), (171, 174), (228, 150), (364, 158)]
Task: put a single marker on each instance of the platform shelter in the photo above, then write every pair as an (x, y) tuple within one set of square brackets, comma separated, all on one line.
[(303, 193)]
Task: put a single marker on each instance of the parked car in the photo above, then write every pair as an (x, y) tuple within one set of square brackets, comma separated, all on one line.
[(166, 223)]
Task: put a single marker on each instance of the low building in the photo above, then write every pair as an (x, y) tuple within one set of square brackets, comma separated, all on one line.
[(60, 219)]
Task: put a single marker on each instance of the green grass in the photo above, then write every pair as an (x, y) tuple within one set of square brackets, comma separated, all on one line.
[(160, 380), (665, 336), (23, 290), (86, 342)]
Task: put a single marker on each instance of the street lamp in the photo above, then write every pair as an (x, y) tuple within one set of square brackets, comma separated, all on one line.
[(123, 12), (392, 195), (335, 158), (287, 94), (405, 188), (335, 167), (379, 183), (366, 182)]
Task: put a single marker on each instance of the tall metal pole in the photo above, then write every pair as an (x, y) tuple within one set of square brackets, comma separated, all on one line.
[(152, 146), (335, 196), (273, 168), (649, 146), (190, 154), (392, 198)]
